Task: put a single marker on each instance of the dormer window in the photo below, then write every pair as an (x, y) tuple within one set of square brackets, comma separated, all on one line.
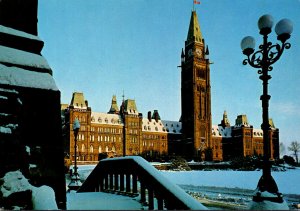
[(99, 119)]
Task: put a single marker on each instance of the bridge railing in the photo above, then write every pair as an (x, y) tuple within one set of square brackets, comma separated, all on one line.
[(134, 176)]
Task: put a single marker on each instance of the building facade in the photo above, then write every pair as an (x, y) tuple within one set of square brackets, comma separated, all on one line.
[(116, 133), (125, 131)]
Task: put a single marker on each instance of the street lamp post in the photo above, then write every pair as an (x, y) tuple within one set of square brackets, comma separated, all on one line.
[(75, 180), (263, 59)]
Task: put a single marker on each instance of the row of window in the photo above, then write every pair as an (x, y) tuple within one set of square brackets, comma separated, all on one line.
[(91, 149), (100, 138), (153, 137), (152, 144), (106, 130)]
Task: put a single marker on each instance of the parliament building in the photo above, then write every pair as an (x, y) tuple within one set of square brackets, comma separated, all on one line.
[(124, 131)]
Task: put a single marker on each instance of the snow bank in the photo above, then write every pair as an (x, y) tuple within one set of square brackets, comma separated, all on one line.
[(43, 198), (19, 77)]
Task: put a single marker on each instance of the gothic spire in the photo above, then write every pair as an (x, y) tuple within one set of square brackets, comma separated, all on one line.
[(194, 33)]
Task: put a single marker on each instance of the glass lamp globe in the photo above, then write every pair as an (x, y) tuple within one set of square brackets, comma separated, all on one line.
[(248, 45), (283, 29), (265, 24)]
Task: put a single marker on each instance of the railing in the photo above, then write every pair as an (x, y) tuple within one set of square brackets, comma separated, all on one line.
[(134, 176)]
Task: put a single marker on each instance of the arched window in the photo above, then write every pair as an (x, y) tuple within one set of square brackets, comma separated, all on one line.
[(113, 149), (106, 149), (82, 148), (100, 149), (91, 149)]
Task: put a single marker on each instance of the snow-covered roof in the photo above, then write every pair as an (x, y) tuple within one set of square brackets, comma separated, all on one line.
[(105, 118), (172, 126), (219, 131), (8, 30), (22, 58), (25, 78), (257, 132), (153, 126)]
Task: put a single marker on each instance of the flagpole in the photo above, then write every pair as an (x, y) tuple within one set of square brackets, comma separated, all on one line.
[(193, 5)]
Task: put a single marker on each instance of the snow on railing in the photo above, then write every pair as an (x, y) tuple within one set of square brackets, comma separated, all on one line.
[(134, 176)]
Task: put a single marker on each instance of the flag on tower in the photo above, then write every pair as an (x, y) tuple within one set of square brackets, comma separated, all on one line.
[(196, 2)]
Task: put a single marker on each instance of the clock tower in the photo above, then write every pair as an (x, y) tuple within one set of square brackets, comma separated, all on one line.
[(195, 93)]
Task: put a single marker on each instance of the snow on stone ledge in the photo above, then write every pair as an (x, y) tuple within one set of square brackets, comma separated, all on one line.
[(8, 30), (19, 57), (5, 130), (43, 198), (20, 77)]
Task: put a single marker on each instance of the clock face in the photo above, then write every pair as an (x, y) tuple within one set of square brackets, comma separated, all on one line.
[(190, 52), (198, 52)]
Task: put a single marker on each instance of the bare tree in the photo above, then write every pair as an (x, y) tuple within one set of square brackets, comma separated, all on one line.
[(295, 148)]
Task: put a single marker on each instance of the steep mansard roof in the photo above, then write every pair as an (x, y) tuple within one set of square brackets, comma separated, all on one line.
[(130, 107), (78, 100), (219, 131)]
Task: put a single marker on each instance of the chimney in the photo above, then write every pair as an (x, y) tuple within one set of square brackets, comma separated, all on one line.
[(149, 116), (156, 115)]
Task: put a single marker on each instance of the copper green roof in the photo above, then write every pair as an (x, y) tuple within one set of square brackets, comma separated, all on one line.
[(271, 123), (194, 33), (130, 106), (114, 106)]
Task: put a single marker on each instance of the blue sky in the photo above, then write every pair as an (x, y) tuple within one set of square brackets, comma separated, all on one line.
[(102, 47)]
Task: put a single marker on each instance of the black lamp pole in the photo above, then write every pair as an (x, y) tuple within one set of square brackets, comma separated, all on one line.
[(263, 59), (75, 180), (76, 130)]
